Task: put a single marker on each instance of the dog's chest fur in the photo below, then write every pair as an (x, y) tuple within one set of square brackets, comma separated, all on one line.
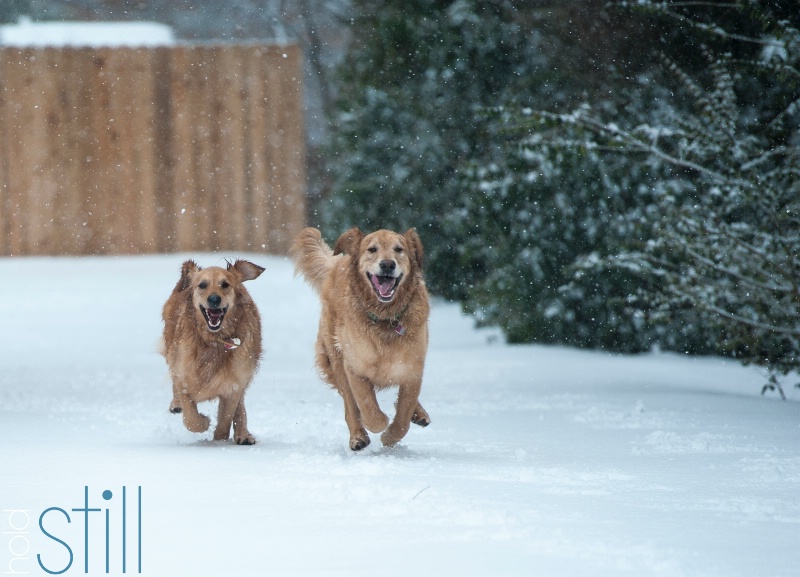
[(203, 366), (385, 366), (375, 350)]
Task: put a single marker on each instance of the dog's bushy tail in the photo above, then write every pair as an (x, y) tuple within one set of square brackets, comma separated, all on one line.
[(312, 257)]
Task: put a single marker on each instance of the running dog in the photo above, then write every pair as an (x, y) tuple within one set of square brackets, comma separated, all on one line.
[(212, 344), (373, 332)]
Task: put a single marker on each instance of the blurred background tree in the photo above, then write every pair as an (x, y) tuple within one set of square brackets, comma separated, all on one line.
[(723, 241)]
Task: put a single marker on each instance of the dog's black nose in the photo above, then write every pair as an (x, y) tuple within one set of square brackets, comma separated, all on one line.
[(214, 301), (387, 266)]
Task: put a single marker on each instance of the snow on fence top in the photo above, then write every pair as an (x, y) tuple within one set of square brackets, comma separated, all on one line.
[(29, 34)]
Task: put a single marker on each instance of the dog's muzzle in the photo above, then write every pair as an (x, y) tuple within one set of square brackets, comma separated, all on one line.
[(214, 316), (384, 286)]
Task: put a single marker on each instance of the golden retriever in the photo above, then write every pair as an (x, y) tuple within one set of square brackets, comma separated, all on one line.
[(373, 332), (212, 344)]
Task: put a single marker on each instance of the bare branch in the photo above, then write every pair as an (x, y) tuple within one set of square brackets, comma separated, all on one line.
[(642, 146), (751, 323), (717, 30), (733, 274)]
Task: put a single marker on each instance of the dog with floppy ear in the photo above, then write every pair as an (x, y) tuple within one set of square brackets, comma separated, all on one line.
[(212, 344), (373, 331)]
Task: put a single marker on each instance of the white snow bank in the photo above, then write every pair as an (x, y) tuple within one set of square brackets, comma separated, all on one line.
[(539, 460)]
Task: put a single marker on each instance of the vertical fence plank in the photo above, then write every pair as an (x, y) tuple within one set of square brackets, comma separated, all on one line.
[(5, 203), (163, 162), (44, 151), (19, 117), (38, 148), (119, 206), (142, 135), (230, 170), (99, 178), (294, 193), (182, 148), (257, 173), (67, 225), (205, 140), (275, 162), (81, 140)]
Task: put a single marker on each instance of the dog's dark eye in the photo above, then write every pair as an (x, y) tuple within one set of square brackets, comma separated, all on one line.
[(372, 249), (398, 249), (203, 285), (225, 284)]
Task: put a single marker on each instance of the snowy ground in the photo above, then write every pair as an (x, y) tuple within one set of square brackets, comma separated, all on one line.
[(539, 461)]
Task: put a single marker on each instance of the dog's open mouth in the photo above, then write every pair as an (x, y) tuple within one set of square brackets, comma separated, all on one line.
[(384, 286), (214, 317)]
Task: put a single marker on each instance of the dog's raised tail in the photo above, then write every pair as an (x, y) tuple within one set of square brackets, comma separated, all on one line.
[(312, 257)]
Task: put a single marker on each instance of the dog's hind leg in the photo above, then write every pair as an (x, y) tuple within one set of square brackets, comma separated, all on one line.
[(240, 433), (407, 403), (232, 411)]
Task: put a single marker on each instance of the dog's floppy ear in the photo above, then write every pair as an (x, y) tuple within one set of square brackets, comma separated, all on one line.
[(414, 245), (187, 268), (245, 270), (348, 242)]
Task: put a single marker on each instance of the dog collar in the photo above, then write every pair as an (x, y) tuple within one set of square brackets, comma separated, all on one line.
[(394, 321), (230, 343)]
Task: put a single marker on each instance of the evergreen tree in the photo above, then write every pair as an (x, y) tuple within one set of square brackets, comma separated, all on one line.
[(723, 236)]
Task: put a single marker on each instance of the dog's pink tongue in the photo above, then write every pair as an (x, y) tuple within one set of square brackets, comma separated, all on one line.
[(384, 286)]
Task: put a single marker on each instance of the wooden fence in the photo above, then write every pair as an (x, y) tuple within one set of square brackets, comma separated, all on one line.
[(126, 151)]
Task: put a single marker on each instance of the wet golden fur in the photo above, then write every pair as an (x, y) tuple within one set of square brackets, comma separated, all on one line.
[(356, 353), (201, 366)]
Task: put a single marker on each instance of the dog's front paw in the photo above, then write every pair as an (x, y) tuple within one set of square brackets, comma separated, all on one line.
[(197, 423), (359, 442), (393, 434), (247, 439)]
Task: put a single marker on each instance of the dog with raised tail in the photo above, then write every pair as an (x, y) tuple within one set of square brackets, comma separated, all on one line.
[(373, 330), (212, 344)]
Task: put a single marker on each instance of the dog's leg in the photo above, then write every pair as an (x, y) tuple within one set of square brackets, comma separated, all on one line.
[(227, 406), (240, 433), (407, 403), (175, 404), (192, 419), (420, 416), (359, 438), (330, 367), (373, 418)]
